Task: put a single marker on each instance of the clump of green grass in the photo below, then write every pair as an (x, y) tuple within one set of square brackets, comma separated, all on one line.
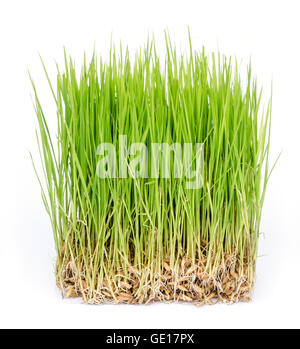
[(137, 240)]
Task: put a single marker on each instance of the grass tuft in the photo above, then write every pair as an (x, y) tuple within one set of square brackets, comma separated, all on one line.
[(138, 240)]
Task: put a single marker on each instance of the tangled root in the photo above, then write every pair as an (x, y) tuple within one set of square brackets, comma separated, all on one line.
[(190, 282)]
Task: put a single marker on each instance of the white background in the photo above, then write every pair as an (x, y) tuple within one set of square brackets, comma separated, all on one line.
[(266, 31)]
